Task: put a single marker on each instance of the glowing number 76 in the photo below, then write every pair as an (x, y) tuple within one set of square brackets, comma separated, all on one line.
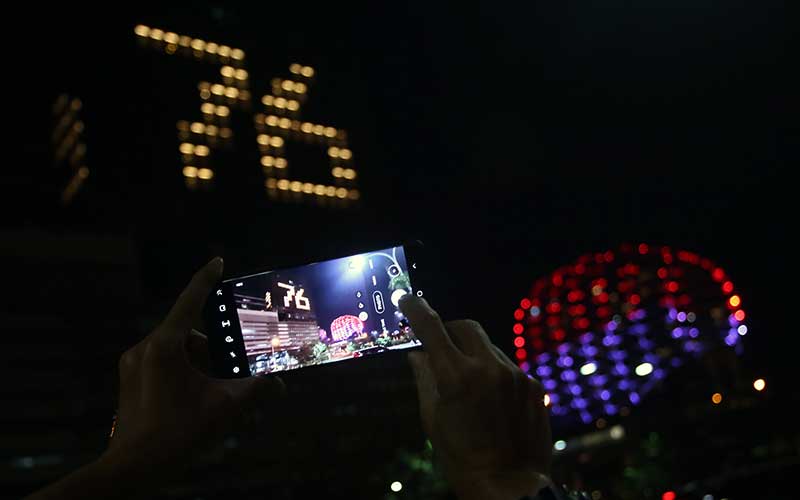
[(300, 302)]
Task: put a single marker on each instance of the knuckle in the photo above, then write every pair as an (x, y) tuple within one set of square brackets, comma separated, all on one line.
[(428, 315), (128, 360)]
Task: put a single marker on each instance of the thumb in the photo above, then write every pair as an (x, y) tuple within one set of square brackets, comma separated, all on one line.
[(426, 388), (251, 392)]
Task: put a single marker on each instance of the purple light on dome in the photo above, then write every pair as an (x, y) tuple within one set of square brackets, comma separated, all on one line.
[(544, 371), (586, 337), (554, 398), (731, 340), (733, 331), (640, 314), (589, 351), (568, 375), (610, 409), (579, 403), (681, 316), (646, 344), (623, 384), (525, 366), (564, 361), (691, 346), (732, 320), (621, 369), (586, 417), (559, 410), (605, 394), (608, 340), (634, 397), (694, 332), (549, 384), (672, 314), (639, 329), (575, 389), (659, 374), (543, 358), (677, 333), (563, 349), (611, 326), (651, 358), (676, 362), (617, 355), (597, 380)]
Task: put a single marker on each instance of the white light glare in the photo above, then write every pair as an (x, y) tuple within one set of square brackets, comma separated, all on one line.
[(588, 369), (644, 369), (396, 486), (560, 445)]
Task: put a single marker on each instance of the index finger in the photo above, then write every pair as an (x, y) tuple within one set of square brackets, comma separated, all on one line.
[(190, 302), (427, 325)]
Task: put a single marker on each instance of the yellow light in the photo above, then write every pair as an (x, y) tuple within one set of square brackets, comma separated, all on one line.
[(77, 127), (189, 171), (345, 154), (271, 120), (287, 85), (271, 183), (318, 129), (330, 191), (283, 184), (170, 48), (237, 54), (217, 89), (222, 111), (198, 44), (203, 85), (354, 194), (280, 162), (141, 30), (186, 148), (280, 102), (207, 108), (330, 132), (267, 161), (307, 71), (306, 127), (759, 384), (276, 142), (171, 37), (333, 151), (262, 139), (349, 174), (224, 51), (205, 94), (308, 188), (294, 68), (201, 150), (83, 172), (227, 71), (240, 74), (284, 123), (300, 88), (76, 104), (212, 48), (205, 173), (319, 189), (231, 92), (225, 133), (547, 400), (197, 128), (734, 301), (185, 41), (183, 125), (267, 100), (341, 193), (211, 130), (716, 398), (336, 172), (292, 105), (157, 34), (296, 186)]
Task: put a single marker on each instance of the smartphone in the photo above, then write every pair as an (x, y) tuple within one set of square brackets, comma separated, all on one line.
[(324, 312)]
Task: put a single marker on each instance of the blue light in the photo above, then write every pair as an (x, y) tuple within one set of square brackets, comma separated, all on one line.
[(543, 358), (535, 311), (525, 366), (677, 333), (597, 380), (617, 355), (554, 398), (672, 314), (694, 332), (589, 351), (579, 403), (549, 384), (639, 329), (634, 397), (681, 316), (586, 417), (544, 371), (563, 348), (605, 394), (569, 376), (586, 337), (575, 389), (610, 409), (621, 369)]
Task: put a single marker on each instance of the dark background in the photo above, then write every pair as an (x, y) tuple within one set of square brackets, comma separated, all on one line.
[(511, 138)]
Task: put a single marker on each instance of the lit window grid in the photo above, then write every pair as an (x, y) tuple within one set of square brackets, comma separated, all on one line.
[(199, 129), (301, 71), (280, 104), (320, 190), (223, 93), (74, 184), (282, 86), (637, 345), (195, 46)]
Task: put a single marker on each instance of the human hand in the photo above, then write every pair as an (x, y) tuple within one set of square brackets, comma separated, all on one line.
[(485, 418), (168, 407)]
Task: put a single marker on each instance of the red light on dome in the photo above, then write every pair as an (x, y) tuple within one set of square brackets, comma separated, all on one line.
[(538, 344), (518, 329), (558, 280), (602, 298), (684, 300), (672, 286), (580, 269), (727, 287), (575, 296), (643, 248), (608, 256), (554, 307), (718, 274), (662, 273), (519, 314), (739, 315), (706, 264), (598, 258), (553, 320), (635, 299), (525, 304), (519, 341), (668, 495), (522, 354), (603, 312), (667, 258), (535, 330), (583, 323), (734, 301), (559, 335)]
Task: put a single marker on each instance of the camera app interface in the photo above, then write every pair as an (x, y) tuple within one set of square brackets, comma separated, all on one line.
[(324, 312)]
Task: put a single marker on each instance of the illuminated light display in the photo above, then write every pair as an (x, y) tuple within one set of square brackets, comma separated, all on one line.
[(603, 331), (69, 148), (344, 327)]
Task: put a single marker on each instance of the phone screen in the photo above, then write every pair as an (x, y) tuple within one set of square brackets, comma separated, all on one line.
[(314, 314)]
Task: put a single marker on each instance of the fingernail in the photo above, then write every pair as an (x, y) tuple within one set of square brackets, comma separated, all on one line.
[(218, 264)]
